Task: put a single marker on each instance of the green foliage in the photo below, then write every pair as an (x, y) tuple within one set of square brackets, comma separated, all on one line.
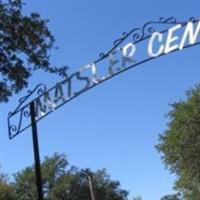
[(6, 191), (60, 183), (25, 43), (171, 197), (180, 144), (137, 198)]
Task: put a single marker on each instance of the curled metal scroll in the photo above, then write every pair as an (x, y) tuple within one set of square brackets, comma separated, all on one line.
[(39, 89), (23, 112)]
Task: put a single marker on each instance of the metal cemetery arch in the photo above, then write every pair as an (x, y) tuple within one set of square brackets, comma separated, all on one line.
[(124, 55)]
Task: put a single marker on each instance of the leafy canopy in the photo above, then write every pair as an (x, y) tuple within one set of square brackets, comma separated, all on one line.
[(25, 42), (180, 144), (6, 191), (171, 197), (61, 183)]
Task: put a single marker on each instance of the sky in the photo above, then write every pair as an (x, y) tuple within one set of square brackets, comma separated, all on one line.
[(115, 125)]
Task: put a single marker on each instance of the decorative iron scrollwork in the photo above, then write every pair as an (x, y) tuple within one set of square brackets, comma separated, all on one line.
[(140, 34), (39, 89), (22, 111)]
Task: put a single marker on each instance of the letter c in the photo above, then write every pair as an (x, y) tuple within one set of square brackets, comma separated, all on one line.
[(150, 45)]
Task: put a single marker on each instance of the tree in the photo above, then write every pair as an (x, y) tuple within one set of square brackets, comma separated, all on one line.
[(180, 144), (137, 198), (25, 44), (6, 191), (3, 176), (60, 183), (171, 197)]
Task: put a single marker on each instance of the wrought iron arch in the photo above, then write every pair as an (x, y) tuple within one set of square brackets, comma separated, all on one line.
[(19, 119)]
